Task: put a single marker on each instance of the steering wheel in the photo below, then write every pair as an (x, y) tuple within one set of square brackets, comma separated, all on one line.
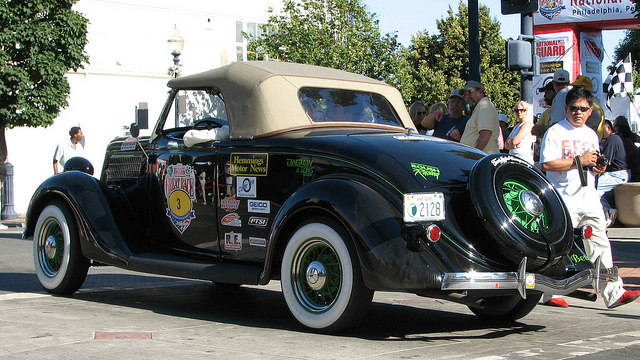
[(207, 124)]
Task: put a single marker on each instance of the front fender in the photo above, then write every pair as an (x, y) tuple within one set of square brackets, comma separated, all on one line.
[(87, 198), (373, 217)]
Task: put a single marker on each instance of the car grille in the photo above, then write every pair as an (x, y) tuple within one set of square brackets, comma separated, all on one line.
[(124, 167)]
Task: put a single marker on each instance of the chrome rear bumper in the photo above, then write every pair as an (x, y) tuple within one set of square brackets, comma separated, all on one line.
[(523, 281)]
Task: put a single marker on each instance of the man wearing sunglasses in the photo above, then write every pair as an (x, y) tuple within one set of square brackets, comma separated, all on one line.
[(569, 152)]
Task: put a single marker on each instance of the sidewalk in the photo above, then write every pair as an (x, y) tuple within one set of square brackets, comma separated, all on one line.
[(627, 260)]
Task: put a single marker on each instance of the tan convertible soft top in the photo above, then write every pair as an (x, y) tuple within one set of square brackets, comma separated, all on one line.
[(261, 97)]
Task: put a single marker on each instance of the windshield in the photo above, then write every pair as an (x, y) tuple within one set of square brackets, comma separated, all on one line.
[(191, 106), (322, 105)]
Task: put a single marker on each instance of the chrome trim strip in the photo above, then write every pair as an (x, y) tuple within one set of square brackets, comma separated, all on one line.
[(522, 281)]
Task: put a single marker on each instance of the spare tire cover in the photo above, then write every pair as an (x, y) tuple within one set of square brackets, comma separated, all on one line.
[(524, 215)]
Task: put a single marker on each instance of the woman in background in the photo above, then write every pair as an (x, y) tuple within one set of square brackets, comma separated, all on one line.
[(417, 112), (520, 141)]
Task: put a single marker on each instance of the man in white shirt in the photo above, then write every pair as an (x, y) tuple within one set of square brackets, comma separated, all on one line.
[(567, 147), (68, 149)]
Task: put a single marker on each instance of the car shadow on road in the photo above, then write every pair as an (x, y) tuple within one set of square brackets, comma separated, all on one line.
[(261, 307)]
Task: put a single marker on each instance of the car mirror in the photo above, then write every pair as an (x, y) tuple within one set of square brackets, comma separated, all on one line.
[(135, 130)]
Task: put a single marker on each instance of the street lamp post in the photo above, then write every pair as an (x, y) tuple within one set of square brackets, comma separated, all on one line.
[(176, 44)]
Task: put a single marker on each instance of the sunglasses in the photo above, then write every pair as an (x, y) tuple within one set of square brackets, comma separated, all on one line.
[(519, 110), (574, 108), (422, 113)]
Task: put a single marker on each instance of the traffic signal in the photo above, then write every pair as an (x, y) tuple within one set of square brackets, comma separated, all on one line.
[(519, 6), (519, 55)]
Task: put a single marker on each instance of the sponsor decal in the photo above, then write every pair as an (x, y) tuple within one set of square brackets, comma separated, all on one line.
[(232, 219), (551, 8), (304, 167), (577, 258), (425, 170), (259, 206), (179, 189), (230, 203), (246, 187), (233, 241), (254, 241), (128, 144), (249, 164), (258, 221)]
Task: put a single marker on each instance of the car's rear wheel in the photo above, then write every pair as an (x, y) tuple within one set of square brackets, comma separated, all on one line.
[(507, 308), (321, 278), (60, 266)]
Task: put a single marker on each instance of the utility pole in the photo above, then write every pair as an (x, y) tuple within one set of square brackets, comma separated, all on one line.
[(521, 53), (526, 78), (474, 41)]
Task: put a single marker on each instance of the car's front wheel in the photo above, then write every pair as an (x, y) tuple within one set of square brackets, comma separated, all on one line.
[(321, 278), (60, 266), (507, 308)]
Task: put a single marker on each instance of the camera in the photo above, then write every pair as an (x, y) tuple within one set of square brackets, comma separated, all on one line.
[(603, 160)]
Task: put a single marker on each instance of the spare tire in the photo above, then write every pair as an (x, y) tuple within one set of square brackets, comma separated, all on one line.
[(524, 215)]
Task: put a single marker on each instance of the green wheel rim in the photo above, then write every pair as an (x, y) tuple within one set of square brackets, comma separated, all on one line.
[(511, 190), (317, 251), (51, 256)]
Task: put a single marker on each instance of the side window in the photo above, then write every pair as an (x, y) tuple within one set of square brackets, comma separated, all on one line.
[(339, 105), (191, 106)]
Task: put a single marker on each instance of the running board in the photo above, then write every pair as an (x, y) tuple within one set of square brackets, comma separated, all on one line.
[(178, 266)]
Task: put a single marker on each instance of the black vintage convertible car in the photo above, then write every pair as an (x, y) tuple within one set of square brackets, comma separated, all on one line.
[(261, 171)]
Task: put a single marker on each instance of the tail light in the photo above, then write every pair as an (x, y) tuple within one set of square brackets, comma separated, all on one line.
[(433, 233)]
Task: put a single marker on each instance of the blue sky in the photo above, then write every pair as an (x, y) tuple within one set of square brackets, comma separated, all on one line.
[(407, 17)]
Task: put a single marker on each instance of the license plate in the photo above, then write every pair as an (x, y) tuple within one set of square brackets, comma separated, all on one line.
[(423, 207)]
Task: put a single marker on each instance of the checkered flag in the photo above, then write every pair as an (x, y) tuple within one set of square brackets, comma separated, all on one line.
[(619, 83)]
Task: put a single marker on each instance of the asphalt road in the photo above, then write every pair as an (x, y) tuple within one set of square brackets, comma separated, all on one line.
[(124, 315)]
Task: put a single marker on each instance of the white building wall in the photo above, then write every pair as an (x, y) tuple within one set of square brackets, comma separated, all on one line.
[(128, 64)]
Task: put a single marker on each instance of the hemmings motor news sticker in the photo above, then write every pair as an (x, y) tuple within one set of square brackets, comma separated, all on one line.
[(179, 189)]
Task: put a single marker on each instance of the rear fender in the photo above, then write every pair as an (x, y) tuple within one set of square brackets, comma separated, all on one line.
[(86, 196), (373, 218)]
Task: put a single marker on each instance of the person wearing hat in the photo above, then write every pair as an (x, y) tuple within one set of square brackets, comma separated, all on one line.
[(561, 81), (542, 124), (482, 129), (596, 120), (449, 126)]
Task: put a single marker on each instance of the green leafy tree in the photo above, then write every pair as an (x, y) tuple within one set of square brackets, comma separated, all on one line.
[(629, 44), (40, 40), (340, 34), (440, 63)]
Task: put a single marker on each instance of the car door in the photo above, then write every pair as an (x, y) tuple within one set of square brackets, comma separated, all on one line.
[(187, 182)]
